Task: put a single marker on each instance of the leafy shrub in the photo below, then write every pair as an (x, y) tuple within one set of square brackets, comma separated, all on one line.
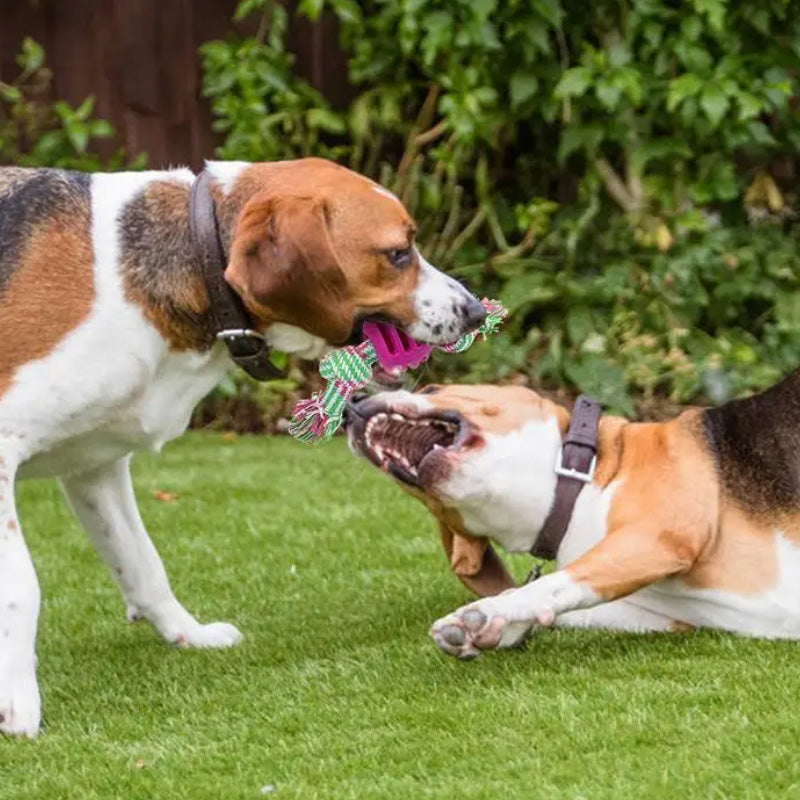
[(36, 133), (621, 174)]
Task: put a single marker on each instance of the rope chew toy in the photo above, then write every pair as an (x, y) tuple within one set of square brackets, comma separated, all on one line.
[(348, 369)]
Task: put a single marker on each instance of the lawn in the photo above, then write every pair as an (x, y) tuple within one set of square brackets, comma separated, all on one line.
[(334, 576)]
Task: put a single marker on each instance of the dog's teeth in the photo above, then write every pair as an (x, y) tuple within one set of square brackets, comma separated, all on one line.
[(398, 417), (438, 447)]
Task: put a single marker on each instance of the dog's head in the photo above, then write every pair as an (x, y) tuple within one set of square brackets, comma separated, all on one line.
[(480, 457), (318, 247)]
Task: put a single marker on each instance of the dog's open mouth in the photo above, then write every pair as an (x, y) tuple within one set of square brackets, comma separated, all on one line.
[(407, 444)]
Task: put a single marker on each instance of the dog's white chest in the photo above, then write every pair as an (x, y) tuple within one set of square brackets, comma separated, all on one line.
[(143, 413)]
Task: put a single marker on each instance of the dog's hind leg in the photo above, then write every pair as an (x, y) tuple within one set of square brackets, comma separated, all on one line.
[(20, 705), (104, 502)]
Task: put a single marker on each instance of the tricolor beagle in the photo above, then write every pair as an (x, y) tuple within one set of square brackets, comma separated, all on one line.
[(107, 341), (694, 522)]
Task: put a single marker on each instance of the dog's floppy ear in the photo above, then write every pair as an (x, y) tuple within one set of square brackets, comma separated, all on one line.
[(283, 265), (475, 562)]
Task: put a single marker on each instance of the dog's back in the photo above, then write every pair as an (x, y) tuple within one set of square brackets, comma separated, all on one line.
[(755, 443), (46, 285)]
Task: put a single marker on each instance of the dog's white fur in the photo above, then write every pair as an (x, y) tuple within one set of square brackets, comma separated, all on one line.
[(110, 387)]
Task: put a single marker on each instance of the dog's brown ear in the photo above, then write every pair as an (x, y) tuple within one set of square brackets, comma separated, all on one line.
[(475, 562), (283, 265)]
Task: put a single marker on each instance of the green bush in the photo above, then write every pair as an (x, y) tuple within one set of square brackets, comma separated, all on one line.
[(620, 174), (36, 133)]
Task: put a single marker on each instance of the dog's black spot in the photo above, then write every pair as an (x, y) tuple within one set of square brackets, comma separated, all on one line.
[(29, 197), (756, 445), (436, 329)]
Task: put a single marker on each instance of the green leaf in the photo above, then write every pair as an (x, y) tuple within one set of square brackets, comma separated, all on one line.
[(600, 377), (483, 8), (608, 94), (577, 138), (310, 8), (749, 105), (551, 10), (348, 11), (522, 87), (84, 110), (10, 93), (101, 129), (326, 119), (78, 136), (714, 10), (686, 85), (247, 7), (573, 83), (691, 27), (580, 324), (31, 57), (714, 103), (530, 288)]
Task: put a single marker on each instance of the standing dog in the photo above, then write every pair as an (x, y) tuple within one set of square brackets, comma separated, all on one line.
[(111, 314), (691, 522)]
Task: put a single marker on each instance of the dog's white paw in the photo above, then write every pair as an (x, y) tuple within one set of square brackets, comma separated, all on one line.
[(481, 626), (215, 634), (180, 628), (20, 706)]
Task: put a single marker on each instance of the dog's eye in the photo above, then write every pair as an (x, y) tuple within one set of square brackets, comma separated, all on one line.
[(400, 258)]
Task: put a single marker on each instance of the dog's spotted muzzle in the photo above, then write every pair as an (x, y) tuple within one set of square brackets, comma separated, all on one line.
[(412, 445)]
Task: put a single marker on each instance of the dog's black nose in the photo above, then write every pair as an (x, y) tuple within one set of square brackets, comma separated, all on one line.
[(474, 314), (349, 415)]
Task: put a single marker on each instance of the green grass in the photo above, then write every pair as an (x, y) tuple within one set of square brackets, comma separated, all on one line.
[(334, 575)]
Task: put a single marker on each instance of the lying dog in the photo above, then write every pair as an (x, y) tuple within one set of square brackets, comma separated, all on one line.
[(118, 296), (694, 522)]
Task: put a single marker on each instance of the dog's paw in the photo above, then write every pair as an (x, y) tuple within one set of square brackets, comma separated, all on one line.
[(214, 634), (180, 628), (480, 626), (20, 706)]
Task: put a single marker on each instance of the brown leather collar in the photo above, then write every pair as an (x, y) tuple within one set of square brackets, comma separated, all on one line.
[(574, 469), (232, 323)]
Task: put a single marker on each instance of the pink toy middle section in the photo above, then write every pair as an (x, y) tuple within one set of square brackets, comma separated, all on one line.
[(395, 349)]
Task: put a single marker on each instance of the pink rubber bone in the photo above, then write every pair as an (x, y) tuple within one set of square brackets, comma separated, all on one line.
[(393, 348)]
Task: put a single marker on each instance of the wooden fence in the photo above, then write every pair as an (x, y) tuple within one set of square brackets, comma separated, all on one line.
[(139, 59)]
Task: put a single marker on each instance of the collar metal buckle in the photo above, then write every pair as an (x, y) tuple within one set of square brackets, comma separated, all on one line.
[(243, 342), (567, 472), (230, 334)]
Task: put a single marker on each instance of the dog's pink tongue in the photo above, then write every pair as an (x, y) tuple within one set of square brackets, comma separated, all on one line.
[(395, 350)]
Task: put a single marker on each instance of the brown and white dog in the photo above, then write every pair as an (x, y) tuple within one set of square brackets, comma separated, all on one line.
[(107, 343), (694, 522)]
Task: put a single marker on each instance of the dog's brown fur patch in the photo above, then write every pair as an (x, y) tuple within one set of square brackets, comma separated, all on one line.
[(50, 292), (663, 518), (161, 272), (496, 409)]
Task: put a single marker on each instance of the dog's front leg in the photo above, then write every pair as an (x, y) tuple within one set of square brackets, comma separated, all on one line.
[(624, 561), (20, 705), (104, 502)]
